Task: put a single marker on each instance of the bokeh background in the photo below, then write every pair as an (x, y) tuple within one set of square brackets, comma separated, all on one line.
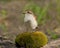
[(46, 11)]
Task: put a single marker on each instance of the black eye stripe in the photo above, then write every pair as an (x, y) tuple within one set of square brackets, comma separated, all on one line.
[(29, 12)]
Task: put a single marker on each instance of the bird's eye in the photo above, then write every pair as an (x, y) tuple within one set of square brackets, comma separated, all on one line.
[(28, 12)]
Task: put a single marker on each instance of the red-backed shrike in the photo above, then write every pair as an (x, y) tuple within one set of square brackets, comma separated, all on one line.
[(29, 16)]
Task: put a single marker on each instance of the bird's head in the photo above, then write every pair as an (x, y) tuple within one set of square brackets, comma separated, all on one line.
[(28, 12)]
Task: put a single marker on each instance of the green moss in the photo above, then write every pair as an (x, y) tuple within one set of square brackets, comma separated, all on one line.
[(31, 40)]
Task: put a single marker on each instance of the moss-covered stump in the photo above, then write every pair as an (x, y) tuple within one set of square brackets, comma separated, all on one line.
[(31, 40)]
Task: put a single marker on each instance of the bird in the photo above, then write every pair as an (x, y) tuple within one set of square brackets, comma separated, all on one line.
[(29, 16)]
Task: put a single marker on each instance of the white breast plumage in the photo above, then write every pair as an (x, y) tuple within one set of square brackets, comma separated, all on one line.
[(33, 22)]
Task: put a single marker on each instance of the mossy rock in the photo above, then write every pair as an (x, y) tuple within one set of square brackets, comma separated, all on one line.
[(31, 40)]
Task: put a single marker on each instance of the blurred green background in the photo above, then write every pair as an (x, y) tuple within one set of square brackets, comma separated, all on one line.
[(46, 11)]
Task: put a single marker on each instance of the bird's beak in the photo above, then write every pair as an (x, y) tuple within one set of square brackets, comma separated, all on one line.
[(23, 13)]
